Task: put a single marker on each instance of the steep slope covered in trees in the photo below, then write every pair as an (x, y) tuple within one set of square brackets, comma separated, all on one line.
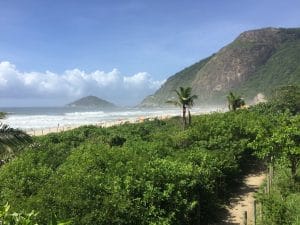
[(256, 62)]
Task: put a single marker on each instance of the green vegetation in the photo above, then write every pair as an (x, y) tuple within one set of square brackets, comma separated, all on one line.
[(256, 62), (7, 218), (277, 142), (183, 78), (155, 172), (282, 68), (2, 115), (234, 102), (148, 173), (11, 141), (286, 98), (187, 75), (282, 205), (185, 100)]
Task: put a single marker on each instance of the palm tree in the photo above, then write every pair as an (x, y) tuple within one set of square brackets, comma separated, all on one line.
[(185, 100), (10, 139), (234, 102)]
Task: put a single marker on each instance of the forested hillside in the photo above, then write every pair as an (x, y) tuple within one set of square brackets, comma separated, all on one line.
[(255, 62)]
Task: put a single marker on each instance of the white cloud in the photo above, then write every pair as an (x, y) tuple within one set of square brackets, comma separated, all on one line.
[(72, 84), (137, 80)]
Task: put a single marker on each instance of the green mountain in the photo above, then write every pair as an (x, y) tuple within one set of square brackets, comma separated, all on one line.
[(91, 102), (252, 65)]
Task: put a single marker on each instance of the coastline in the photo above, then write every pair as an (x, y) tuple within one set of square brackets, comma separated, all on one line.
[(41, 122), (58, 129)]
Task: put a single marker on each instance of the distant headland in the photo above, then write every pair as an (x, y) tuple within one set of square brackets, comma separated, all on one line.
[(91, 102)]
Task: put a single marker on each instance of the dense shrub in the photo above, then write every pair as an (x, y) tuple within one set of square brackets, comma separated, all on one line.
[(281, 205), (148, 173)]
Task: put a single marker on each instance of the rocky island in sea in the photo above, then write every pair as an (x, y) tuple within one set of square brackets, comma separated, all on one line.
[(92, 102)]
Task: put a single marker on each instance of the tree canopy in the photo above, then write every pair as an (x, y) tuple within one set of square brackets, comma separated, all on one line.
[(234, 101), (286, 98), (185, 100)]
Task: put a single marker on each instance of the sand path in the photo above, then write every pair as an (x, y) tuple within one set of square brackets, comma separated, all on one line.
[(243, 200)]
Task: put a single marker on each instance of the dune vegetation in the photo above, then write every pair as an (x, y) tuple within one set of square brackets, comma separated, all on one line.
[(155, 172)]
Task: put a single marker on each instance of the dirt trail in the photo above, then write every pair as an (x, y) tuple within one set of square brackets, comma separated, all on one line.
[(243, 200)]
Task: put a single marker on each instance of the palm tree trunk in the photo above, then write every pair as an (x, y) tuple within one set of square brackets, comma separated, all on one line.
[(184, 116)]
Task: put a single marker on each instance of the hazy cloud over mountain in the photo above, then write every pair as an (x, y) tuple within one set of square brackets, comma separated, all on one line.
[(49, 88)]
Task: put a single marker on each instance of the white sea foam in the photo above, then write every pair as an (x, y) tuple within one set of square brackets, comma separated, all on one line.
[(27, 121), (50, 119), (89, 114)]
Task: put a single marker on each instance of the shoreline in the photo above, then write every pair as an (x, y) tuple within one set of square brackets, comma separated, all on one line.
[(104, 124), (39, 131)]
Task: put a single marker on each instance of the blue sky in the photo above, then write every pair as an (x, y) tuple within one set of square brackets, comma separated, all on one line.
[(133, 44)]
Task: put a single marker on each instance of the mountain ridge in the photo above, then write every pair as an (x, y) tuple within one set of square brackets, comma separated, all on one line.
[(254, 63)]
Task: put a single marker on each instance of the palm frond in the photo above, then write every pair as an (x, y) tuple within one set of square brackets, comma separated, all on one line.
[(2, 115), (234, 101), (181, 90), (174, 102), (193, 97), (11, 138), (187, 92)]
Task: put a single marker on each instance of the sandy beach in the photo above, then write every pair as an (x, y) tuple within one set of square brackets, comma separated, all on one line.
[(44, 131), (36, 122)]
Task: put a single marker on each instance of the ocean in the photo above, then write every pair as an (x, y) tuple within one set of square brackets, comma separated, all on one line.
[(36, 118), (50, 117)]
